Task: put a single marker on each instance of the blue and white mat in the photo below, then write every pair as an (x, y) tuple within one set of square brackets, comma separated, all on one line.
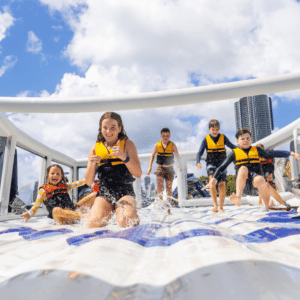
[(243, 253)]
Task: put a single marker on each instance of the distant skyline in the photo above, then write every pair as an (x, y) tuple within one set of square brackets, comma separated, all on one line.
[(62, 48)]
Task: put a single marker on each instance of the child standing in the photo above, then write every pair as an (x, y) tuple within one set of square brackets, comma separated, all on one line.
[(54, 193), (165, 150), (214, 144), (248, 167)]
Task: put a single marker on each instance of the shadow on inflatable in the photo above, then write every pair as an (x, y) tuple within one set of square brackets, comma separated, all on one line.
[(231, 280)]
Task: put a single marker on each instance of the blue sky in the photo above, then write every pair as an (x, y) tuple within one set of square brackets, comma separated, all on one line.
[(62, 48)]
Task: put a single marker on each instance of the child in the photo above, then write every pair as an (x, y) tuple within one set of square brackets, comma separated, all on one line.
[(54, 194), (115, 160), (214, 144), (165, 150), (248, 167), (268, 170)]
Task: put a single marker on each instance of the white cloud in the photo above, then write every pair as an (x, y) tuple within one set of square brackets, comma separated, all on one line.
[(34, 44), (126, 47), (8, 63), (6, 21), (62, 5)]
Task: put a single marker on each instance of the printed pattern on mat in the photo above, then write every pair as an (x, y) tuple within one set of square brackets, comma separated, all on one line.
[(30, 234)]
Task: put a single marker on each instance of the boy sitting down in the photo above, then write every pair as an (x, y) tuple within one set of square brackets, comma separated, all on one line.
[(248, 167)]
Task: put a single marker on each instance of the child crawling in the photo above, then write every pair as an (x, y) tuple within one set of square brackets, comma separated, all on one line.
[(54, 194), (248, 167)]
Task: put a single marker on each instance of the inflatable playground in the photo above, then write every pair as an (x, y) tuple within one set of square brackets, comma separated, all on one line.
[(244, 252)]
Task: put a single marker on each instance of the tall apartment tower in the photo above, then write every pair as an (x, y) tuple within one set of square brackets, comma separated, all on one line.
[(255, 113)]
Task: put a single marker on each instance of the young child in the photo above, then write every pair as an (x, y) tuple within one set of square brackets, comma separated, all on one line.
[(165, 150), (248, 167), (214, 144), (268, 170), (54, 194), (115, 160)]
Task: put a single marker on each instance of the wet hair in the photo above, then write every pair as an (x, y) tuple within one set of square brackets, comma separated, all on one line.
[(260, 146), (63, 180), (242, 131), (111, 115), (165, 129), (213, 123)]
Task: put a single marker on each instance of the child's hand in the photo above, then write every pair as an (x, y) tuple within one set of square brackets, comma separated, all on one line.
[(211, 184), (296, 155), (95, 159), (118, 151), (199, 166), (149, 171), (26, 216)]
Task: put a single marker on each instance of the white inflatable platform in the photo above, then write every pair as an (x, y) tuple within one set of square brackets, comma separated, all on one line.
[(243, 253)]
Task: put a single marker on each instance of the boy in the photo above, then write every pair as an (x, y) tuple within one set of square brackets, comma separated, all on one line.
[(214, 144), (248, 167), (165, 150)]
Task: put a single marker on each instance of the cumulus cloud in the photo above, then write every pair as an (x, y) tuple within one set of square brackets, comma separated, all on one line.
[(126, 47), (6, 21), (34, 44), (8, 63)]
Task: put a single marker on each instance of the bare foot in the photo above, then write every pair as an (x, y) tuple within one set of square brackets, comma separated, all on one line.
[(235, 200), (221, 209), (259, 201), (214, 209), (169, 211)]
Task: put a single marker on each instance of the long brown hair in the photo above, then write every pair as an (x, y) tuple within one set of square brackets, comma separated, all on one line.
[(63, 180), (111, 115)]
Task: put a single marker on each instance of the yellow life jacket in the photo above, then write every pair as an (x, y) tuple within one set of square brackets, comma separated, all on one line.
[(112, 170), (165, 156), (215, 147), (54, 189), (103, 152), (242, 158)]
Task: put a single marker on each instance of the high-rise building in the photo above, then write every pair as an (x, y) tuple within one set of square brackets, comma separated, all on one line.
[(255, 113)]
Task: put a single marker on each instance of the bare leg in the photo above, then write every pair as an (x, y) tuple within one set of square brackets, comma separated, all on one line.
[(169, 184), (100, 213), (263, 189), (275, 195), (213, 193), (160, 186), (126, 212), (86, 202), (66, 216), (240, 185), (222, 194)]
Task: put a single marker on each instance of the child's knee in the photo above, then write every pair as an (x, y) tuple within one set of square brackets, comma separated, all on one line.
[(56, 211), (258, 181)]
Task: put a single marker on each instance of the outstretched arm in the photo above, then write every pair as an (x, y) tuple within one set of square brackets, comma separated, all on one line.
[(75, 184), (276, 153), (152, 159), (38, 203)]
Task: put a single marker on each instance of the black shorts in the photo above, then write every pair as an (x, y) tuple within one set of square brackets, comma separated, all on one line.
[(268, 169), (113, 193), (211, 169)]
